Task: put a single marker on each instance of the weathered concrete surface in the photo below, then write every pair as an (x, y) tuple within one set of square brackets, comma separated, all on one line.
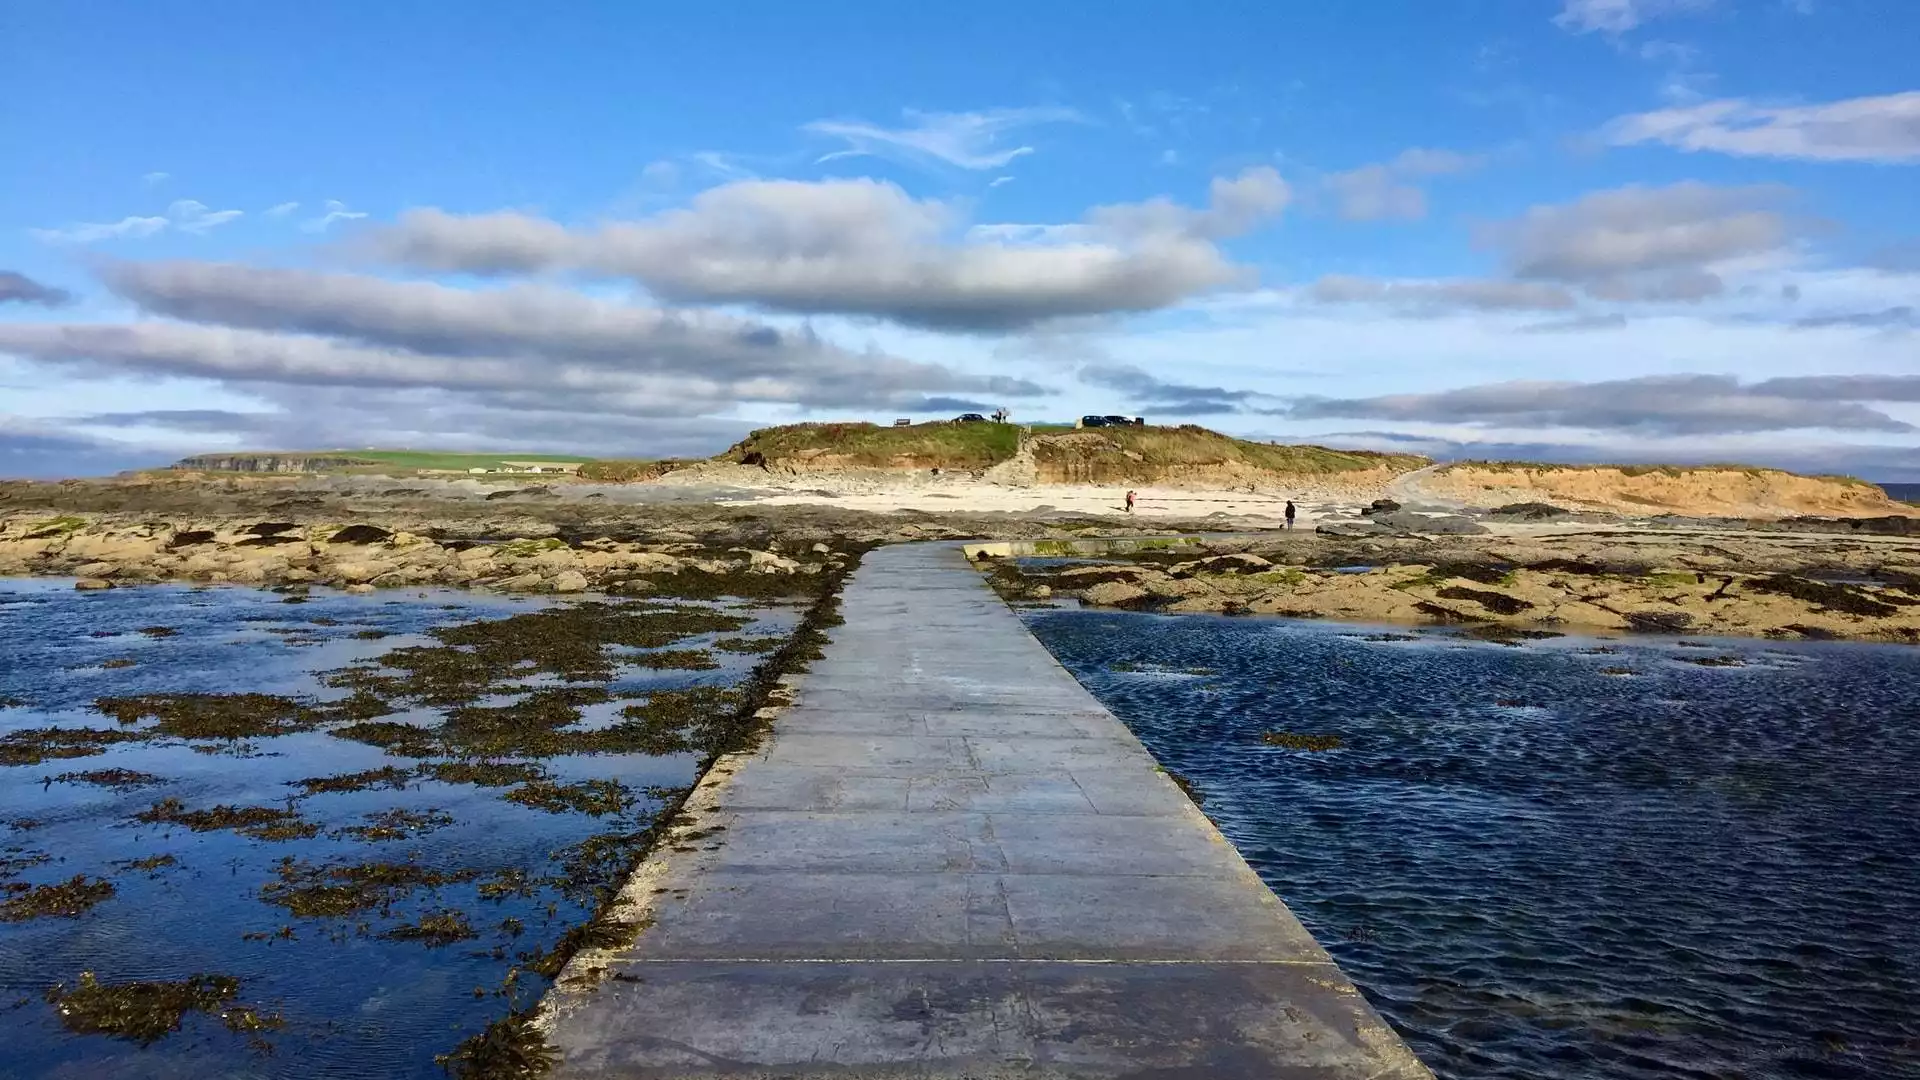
[(951, 861)]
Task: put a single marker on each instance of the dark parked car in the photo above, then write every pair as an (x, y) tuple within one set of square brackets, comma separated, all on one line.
[(1118, 421), (970, 418), (1095, 421)]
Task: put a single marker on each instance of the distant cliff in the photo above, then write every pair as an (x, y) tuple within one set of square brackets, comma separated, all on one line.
[(266, 463)]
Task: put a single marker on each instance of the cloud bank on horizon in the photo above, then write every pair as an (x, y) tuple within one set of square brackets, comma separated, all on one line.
[(1596, 229)]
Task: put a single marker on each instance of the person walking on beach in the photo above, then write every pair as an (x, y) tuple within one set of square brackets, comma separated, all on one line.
[(1129, 502), (1290, 513)]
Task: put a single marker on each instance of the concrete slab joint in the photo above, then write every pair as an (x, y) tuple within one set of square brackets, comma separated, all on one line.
[(950, 861)]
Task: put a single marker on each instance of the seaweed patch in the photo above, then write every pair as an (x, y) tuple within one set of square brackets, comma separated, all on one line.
[(145, 1012), (66, 900)]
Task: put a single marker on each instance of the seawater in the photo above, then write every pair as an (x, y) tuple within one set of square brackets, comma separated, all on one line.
[(1572, 859), (354, 1004)]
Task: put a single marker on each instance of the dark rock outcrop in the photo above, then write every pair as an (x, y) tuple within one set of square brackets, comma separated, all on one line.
[(360, 534)]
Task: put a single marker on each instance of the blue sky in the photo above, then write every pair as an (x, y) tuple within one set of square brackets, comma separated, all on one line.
[(1581, 229)]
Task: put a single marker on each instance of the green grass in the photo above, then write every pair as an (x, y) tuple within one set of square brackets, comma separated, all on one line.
[(933, 445)]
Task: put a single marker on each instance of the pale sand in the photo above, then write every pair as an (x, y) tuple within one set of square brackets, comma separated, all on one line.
[(960, 493)]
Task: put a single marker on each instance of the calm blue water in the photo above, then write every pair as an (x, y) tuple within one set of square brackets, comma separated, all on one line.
[(355, 1004), (1538, 870), (1903, 492)]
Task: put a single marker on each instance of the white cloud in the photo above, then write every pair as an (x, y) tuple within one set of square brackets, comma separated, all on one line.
[(153, 178), (1614, 17), (335, 211), (968, 140), (999, 181), (1882, 129), (860, 247), (1642, 243), (280, 210)]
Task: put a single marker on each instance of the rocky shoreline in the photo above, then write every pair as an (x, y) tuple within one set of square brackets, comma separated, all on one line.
[(363, 557), (1785, 586)]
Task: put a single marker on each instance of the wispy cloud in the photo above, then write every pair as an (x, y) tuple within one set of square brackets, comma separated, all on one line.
[(1614, 17), (335, 211), (156, 177), (1878, 129), (193, 216), (1383, 192), (280, 210), (184, 215), (967, 140)]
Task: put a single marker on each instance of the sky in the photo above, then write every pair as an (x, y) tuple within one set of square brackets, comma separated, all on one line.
[(1576, 230)]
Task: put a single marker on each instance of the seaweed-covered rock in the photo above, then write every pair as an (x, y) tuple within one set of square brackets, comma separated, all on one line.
[(1659, 622), (360, 534), (1381, 506), (1530, 511), (1433, 524), (1222, 564), (1351, 529)]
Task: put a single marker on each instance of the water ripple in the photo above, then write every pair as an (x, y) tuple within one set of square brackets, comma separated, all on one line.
[(1537, 868)]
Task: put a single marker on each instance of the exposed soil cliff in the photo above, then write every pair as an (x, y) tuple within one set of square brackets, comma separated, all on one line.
[(1704, 491)]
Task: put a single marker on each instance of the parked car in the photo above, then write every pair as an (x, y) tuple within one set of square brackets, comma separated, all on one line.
[(1092, 421), (1118, 421), (970, 418)]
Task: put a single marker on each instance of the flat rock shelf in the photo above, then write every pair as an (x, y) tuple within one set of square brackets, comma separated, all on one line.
[(950, 861)]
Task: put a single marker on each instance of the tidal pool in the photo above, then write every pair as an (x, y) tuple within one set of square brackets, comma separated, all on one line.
[(365, 861), (1573, 858)]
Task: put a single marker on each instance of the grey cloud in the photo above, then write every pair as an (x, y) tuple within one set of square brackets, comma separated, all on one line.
[(36, 450), (1578, 324), (244, 356), (1485, 295), (1903, 317), (17, 288), (1655, 405), (1897, 258), (1685, 286), (316, 419), (299, 325), (517, 321), (1882, 129), (1843, 387), (1165, 398), (859, 247), (1606, 236)]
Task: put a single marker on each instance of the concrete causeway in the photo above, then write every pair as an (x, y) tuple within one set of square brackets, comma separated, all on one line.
[(950, 861)]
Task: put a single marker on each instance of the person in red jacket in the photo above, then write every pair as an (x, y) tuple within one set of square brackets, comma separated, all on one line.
[(1129, 502)]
